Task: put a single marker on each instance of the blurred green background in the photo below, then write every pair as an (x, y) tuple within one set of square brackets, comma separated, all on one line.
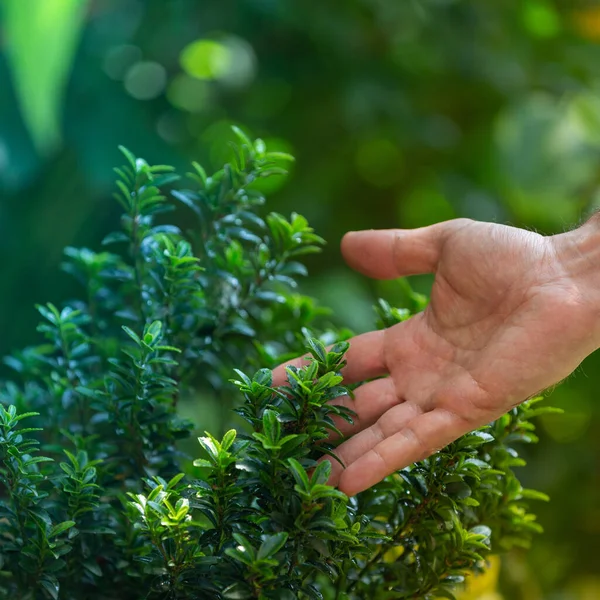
[(400, 113)]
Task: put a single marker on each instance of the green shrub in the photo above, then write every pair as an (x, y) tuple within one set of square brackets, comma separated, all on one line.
[(92, 502)]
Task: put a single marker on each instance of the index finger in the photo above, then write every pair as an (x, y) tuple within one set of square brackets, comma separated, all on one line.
[(365, 359)]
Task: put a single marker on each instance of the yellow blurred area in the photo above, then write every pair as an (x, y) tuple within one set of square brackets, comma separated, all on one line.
[(587, 22), (587, 588), (483, 586), (477, 587), (393, 554)]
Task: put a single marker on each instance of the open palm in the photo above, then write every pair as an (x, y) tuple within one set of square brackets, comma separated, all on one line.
[(505, 321)]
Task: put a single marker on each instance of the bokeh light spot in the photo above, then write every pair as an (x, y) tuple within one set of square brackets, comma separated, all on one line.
[(145, 80), (242, 67), (541, 19), (206, 59), (228, 60), (189, 94)]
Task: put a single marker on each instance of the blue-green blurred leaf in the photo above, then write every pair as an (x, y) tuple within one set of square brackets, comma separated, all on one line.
[(42, 37)]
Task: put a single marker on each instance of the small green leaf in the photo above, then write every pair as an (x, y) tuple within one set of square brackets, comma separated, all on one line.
[(237, 591), (132, 335), (228, 439), (245, 546), (60, 528), (271, 426), (272, 545), (50, 585), (321, 473), (242, 136), (474, 439), (443, 592), (299, 474), (175, 480), (535, 495), (131, 159), (152, 332)]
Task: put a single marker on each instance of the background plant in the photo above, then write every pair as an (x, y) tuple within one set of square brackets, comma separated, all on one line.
[(92, 499)]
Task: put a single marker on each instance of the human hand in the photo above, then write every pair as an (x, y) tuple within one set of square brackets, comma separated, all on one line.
[(509, 316)]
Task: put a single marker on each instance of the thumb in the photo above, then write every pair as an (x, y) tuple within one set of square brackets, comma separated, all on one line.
[(392, 253)]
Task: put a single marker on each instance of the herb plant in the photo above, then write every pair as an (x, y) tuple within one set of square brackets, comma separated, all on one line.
[(93, 501)]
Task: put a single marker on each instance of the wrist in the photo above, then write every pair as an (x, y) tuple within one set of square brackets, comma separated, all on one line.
[(578, 252)]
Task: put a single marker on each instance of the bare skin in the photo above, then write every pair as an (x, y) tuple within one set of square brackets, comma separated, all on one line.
[(511, 314)]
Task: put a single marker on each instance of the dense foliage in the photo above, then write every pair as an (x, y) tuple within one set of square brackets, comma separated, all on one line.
[(91, 495)]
